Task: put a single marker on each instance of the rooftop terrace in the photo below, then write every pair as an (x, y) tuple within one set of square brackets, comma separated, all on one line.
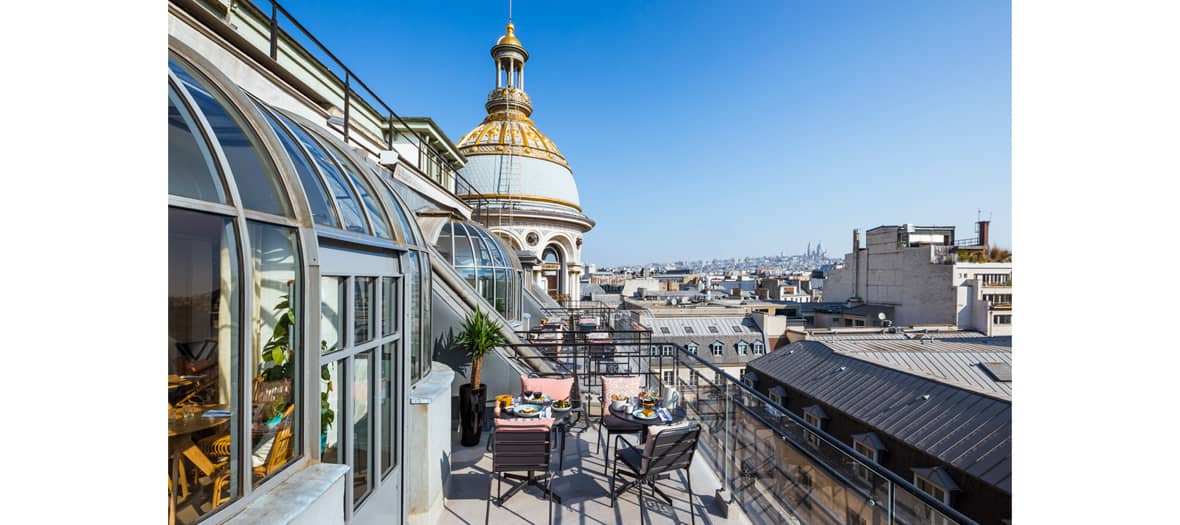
[(583, 489)]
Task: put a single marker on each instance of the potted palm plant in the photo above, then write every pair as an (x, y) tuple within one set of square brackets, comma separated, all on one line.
[(480, 335)]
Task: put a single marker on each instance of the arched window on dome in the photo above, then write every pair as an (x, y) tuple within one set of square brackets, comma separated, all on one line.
[(553, 269)]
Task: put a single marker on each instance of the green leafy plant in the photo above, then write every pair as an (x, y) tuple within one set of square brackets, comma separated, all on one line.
[(480, 335), (327, 415), (276, 353)]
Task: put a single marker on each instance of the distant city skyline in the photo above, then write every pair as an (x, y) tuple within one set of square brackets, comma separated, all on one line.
[(706, 130)]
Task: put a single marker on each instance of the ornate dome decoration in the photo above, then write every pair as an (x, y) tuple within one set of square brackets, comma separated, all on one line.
[(508, 130), (520, 181)]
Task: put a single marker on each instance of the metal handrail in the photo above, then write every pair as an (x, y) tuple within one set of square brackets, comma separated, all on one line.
[(838, 445), (372, 101)]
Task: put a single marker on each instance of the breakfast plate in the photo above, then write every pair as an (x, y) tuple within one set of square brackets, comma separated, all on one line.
[(644, 414), (527, 410)]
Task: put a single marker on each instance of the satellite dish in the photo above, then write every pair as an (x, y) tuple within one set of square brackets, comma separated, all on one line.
[(881, 316)]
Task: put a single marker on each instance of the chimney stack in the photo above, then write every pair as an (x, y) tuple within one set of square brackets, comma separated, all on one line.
[(983, 239), (856, 262)]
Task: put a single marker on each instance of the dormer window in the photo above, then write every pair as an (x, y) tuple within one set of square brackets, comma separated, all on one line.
[(750, 379), (869, 446), (776, 395), (816, 416), (667, 350), (758, 347), (935, 482), (741, 347), (692, 348), (716, 348)]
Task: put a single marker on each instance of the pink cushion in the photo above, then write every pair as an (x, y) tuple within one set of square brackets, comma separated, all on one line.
[(522, 425), (556, 388), (622, 385)]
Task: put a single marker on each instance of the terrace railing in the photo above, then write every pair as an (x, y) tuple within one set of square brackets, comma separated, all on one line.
[(780, 469), (267, 30)]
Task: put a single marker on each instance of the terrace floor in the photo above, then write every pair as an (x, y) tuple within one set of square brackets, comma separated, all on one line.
[(584, 490)]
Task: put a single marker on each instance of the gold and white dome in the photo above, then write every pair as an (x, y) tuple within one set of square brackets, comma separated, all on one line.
[(508, 158)]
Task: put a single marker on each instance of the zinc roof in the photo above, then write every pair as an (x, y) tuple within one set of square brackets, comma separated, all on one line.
[(925, 395)]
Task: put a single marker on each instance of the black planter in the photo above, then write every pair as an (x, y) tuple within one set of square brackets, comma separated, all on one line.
[(471, 413)]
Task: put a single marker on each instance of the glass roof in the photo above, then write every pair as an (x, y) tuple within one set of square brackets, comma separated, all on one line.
[(257, 184), (346, 200), (192, 171), (317, 197), (206, 128), (483, 262)]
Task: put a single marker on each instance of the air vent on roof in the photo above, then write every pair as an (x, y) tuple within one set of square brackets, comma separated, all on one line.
[(925, 397), (843, 368)]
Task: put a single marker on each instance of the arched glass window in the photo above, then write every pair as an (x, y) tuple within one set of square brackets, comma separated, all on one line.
[(252, 170), (317, 197), (191, 168), (481, 259), (346, 200), (407, 229), (377, 217)]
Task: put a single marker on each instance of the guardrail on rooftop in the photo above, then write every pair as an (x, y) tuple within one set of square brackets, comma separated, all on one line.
[(780, 469), (294, 52)]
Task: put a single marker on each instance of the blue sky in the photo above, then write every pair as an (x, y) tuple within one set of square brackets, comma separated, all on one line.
[(720, 129)]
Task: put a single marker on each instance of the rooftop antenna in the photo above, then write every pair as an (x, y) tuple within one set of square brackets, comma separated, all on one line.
[(509, 10)]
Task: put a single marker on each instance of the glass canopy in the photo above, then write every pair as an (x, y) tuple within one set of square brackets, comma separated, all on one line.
[(484, 263)]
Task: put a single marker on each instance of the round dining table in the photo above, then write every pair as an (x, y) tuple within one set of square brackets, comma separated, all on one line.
[(678, 414), (180, 443)]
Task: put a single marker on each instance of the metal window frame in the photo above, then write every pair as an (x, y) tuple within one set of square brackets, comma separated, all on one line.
[(241, 455), (347, 356)]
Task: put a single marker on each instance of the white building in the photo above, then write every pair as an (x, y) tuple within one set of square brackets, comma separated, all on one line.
[(521, 183), (915, 269)]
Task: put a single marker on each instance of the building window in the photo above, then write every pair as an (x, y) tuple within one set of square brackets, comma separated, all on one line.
[(758, 348), (688, 329), (741, 348), (737, 329), (716, 348), (669, 377), (667, 350), (713, 329), (692, 348), (358, 378), (815, 416), (998, 298), (869, 446), (203, 311), (1002, 319), (664, 330), (931, 488)]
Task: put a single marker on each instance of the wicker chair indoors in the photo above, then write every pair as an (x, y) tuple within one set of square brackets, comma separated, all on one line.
[(275, 458)]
